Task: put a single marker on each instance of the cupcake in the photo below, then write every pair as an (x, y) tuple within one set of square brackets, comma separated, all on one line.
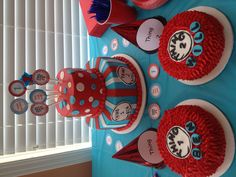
[(193, 140), (193, 45)]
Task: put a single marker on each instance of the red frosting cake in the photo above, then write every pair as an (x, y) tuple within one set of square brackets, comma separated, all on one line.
[(82, 93), (191, 45), (109, 91), (191, 141)]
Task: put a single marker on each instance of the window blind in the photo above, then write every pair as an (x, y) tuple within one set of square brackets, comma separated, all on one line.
[(39, 34)]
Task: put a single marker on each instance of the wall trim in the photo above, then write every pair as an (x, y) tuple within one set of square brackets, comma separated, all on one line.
[(46, 162)]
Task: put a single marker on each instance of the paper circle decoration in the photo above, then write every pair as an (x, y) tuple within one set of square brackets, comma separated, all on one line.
[(17, 88), (41, 77)]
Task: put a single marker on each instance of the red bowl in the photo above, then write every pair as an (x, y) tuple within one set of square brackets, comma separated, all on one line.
[(149, 4)]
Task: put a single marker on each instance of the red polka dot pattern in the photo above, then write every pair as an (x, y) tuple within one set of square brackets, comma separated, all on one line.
[(80, 92), (212, 145)]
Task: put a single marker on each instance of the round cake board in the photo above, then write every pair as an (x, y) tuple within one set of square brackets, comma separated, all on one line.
[(229, 44), (229, 135), (144, 97)]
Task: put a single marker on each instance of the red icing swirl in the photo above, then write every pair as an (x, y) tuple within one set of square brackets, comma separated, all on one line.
[(212, 145), (213, 45)]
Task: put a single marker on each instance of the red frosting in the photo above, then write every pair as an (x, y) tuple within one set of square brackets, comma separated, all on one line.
[(213, 45), (149, 4), (212, 141), (82, 93)]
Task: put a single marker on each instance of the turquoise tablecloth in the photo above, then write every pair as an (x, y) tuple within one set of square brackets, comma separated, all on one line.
[(220, 91)]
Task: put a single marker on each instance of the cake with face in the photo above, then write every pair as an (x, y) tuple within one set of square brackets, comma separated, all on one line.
[(108, 91), (191, 141), (191, 45)]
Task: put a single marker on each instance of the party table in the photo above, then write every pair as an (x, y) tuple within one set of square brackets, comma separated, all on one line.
[(220, 92)]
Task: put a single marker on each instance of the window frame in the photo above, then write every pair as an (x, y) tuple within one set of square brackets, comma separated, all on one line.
[(47, 159)]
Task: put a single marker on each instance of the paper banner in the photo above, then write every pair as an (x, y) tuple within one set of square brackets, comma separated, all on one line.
[(17, 88), (41, 77), (38, 96), (39, 109), (19, 106)]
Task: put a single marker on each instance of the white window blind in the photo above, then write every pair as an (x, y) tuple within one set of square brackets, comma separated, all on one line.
[(34, 34)]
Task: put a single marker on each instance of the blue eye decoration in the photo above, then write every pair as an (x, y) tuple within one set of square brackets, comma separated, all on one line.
[(195, 140), (191, 62), (197, 50), (190, 126), (195, 27), (197, 154), (198, 37)]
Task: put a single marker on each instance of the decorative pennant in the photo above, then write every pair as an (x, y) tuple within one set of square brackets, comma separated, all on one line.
[(153, 71), (145, 34), (39, 109), (142, 150), (41, 77), (19, 106), (17, 88), (154, 111), (38, 96)]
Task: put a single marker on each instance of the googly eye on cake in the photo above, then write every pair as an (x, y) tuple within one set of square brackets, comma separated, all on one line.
[(196, 45), (110, 92), (195, 139)]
